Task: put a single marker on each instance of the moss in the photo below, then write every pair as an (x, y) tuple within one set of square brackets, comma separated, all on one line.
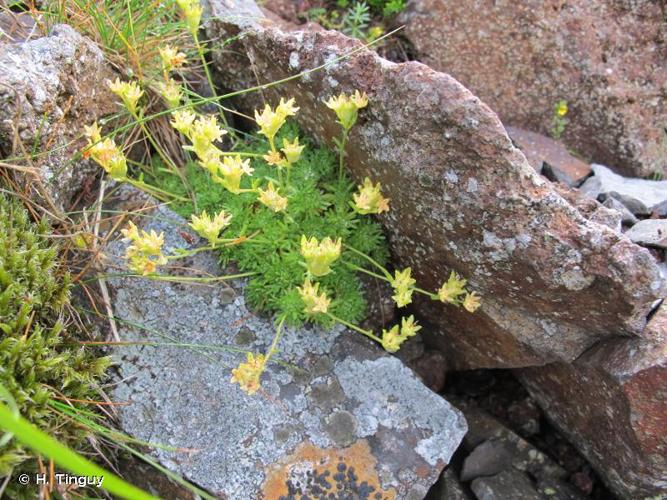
[(319, 205), (35, 364)]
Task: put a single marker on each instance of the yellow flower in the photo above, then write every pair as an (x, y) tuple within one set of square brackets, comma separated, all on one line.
[(208, 227), (452, 288), (144, 253), (369, 199), (320, 255), (409, 327), (403, 285), (347, 107), (93, 132), (292, 150), (171, 92), (561, 108), (192, 11), (106, 153), (248, 374), (314, 302), (274, 158), (129, 92), (270, 121), (171, 58), (182, 121), (471, 302), (392, 339), (232, 168), (272, 199)]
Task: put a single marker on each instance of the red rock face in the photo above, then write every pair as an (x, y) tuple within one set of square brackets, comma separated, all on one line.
[(608, 60), (612, 403), (462, 197)]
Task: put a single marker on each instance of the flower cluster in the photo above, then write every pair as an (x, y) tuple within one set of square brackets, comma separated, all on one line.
[(394, 337), (320, 255), (129, 93), (270, 198), (193, 12), (170, 92), (145, 252), (210, 227), (453, 292), (347, 107), (171, 58), (270, 121), (314, 302), (106, 153), (369, 199), (403, 284), (247, 374)]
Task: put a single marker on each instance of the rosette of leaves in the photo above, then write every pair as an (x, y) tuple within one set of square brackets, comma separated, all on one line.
[(39, 362)]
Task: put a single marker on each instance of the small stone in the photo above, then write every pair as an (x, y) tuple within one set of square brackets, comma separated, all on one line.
[(509, 484), (607, 217), (627, 217), (489, 458), (649, 233)]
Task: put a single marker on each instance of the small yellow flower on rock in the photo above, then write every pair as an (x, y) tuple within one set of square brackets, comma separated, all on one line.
[(292, 150), (347, 107), (320, 255), (471, 302), (403, 285), (232, 168), (129, 92), (182, 121), (272, 199), (452, 289), (208, 227), (561, 108), (171, 93), (314, 302), (392, 339), (369, 199), (248, 374), (270, 121), (106, 153), (193, 11), (171, 58), (409, 327), (274, 158), (145, 252)]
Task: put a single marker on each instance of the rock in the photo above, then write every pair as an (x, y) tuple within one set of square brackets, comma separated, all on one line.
[(608, 217), (640, 196), (550, 158), (462, 198), (16, 27), (508, 484), (494, 448), (606, 59), (50, 87), (488, 459), (612, 405), (335, 408), (432, 370), (448, 487), (649, 232), (627, 217)]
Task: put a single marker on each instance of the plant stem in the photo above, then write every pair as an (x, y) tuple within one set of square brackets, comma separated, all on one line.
[(341, 154), (276, 339), (202, 56), (368, 333), (154, 190), (372, 261)]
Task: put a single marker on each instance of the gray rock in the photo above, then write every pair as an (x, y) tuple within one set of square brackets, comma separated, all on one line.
[(509, 484), (332, 399), (640, 196), (462, 196), (649, 233), (488, 459), (50, 87), (627, 217), (608, 217), (448, 487)]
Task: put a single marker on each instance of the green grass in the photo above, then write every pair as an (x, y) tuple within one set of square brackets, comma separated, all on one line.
[(319, 205)]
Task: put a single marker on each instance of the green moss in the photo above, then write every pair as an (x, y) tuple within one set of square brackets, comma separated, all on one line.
[(319, 205), (35, 366)]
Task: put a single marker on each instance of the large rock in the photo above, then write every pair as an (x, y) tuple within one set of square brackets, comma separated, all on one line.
[(612, 404), (607, 59), (462, 197), (50, 87), (335, 413)]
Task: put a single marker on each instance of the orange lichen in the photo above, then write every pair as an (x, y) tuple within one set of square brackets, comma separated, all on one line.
[(316, 471)]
